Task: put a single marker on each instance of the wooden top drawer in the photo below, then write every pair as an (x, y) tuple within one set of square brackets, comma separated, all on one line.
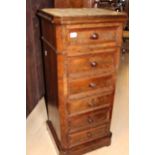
[(88, 135), (93, 63), (88, 85), (88, 120), (90, 103), (94, 35)]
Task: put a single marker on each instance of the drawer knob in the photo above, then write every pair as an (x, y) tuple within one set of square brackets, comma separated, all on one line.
[(93, 64), (90, 120), (92, 85), (94, 36)]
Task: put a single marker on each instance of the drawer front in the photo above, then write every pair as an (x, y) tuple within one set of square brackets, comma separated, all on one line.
[(91, 49), (91, 84), (90, 103), (91, 63), (91, 35), (88, 135), (87, 120)]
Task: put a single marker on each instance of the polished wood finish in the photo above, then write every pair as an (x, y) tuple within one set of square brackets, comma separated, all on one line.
[(90, 85), (81, 49), (89, 120), (89, 36), (85, 65), (88, 135), (90, 103)]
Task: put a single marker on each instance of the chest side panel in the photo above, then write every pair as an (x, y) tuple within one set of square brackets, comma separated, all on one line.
[(50, 74)]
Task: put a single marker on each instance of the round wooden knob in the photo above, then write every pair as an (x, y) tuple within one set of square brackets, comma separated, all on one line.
[(92, 85), (93, 64), (94, 36), (90, 120)]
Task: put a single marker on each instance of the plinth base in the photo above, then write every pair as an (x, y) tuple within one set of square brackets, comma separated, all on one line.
[(80, 149)]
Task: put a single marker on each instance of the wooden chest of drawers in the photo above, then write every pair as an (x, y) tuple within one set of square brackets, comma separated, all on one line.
[(81, 49)]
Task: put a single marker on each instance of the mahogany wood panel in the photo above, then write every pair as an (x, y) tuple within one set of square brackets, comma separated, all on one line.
[(89, 85), (79, 97), (89, 120), (103, 62), (92, 36), (34, 69), (90, 103)]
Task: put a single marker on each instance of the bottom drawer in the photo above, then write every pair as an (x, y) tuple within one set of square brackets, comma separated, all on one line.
[(88, 135)]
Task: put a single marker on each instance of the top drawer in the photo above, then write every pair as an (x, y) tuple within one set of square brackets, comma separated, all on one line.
[(91, 35), (85, 34)]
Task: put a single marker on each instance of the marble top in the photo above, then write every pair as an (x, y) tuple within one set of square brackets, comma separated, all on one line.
[(69, 12)]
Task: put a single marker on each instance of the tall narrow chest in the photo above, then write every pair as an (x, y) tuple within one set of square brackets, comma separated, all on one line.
[(81, 51)]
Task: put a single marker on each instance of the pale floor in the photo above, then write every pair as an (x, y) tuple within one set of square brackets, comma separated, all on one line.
[(38, 139)]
